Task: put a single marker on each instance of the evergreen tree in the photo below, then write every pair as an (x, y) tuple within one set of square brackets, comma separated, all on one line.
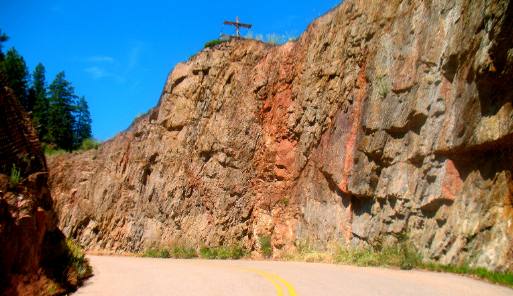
[(82, 122), (3, 38), (41, 108), (62, 105), (16, 76)]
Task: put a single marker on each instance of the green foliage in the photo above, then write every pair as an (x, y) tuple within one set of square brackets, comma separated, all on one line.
[(504, 278), (78, 261), (89, 144), (60, 117), (222, 252), (383, 86), (272, 38), (213, 43), (15, 176), (52, 288), (61, 121), (3, 38), (284, 201), (40, 99), (182, 252), (15, 74), (155, 252), (52, 150), (82, 127), (400, 255), (265, 246)]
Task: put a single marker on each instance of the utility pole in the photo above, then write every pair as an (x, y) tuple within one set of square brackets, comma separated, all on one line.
[(238, 25)]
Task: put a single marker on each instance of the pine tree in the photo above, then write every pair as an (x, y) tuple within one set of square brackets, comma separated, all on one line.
[(40, 111), (62, 105), (3, 38), (82, 122), (16, 76)]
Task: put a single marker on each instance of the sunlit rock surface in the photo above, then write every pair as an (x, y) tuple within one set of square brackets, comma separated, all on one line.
[(385, 119)]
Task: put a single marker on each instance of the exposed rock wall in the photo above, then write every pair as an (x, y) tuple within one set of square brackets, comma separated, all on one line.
[(33, 252), (385, 118)]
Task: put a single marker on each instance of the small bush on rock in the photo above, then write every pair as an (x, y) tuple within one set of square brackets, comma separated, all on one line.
[(154, 252), (78, 260), (15, 177), (265, 246), (181, 252), (222, 252), (213, 43)]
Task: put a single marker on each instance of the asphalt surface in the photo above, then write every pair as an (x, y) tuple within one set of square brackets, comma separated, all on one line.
[(147, 276)]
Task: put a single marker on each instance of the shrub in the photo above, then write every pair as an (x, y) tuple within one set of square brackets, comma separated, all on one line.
[(154, 252), (383, 86), (402, 255), (213, 43), (265, 245), (77, 259), (183, 252), (284, 201), (222, 252), (207, 253), (89, 144), (51, 150), (15, 177), (52, 288)]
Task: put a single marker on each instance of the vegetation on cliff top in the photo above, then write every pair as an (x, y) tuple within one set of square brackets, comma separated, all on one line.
[(61, 117), (213, 43)]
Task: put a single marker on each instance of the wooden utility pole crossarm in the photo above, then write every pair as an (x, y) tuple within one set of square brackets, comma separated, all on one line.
[(238, 25)]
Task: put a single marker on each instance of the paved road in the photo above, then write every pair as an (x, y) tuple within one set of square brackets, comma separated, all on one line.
[(146, 276)]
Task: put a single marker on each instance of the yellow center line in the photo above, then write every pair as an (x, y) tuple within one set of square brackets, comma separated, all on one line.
[(290, 288), (275, 280), (279, 289)]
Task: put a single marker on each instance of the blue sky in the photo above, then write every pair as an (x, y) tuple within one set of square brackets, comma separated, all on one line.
[(118, 53)]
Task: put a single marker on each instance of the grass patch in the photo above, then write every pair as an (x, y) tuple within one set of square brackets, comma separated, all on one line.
[(503, 278), (78, 260), (265, 246), (399, 255), (402, 255), (15, 177), (222, 252)]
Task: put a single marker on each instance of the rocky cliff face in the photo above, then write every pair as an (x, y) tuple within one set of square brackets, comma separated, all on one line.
[(385, 118), (33, 252)]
